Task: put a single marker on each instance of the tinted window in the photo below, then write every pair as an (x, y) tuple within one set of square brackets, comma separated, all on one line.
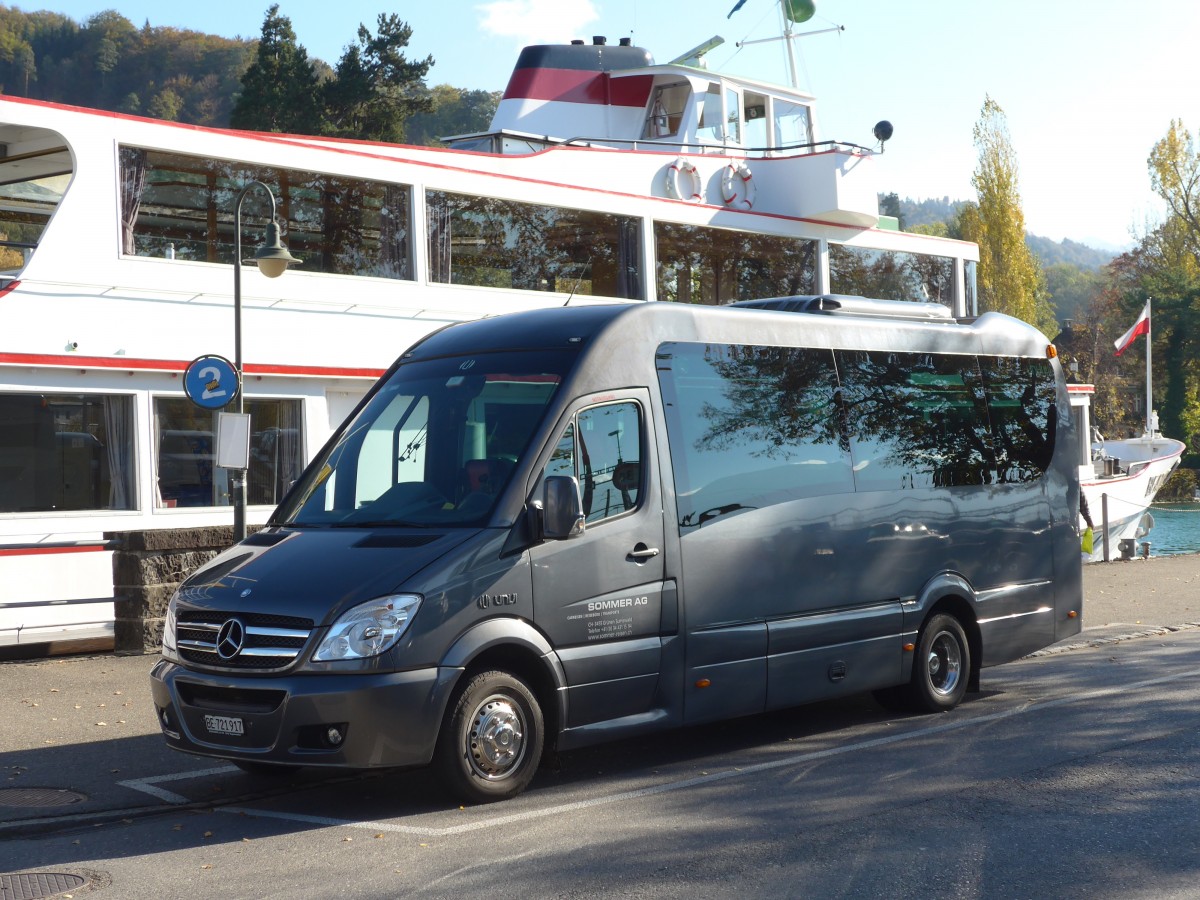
[(890, 274), (490, 242), (186, 453), (66, 452), (916, 420), (185, 207), (602, 448), (1021, 407), (716, 266), (750, 427)]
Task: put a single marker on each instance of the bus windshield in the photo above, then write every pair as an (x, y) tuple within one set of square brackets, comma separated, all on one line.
[(434, 447)]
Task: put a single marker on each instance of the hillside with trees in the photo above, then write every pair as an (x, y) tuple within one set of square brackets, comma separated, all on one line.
[(107, 62)]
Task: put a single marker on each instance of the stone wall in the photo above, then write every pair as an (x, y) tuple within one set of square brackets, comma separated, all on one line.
[(147, 567)]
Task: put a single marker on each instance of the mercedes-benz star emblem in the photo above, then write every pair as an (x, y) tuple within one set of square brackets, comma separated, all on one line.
[(230, 638)]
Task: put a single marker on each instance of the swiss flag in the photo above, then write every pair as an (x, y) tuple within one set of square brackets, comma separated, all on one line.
[(1141, 326)]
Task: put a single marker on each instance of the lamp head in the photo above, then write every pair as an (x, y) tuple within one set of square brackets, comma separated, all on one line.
[(272, 257)]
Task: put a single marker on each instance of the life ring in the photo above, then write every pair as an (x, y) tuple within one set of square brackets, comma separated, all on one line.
[(737, 186), (683, 181)]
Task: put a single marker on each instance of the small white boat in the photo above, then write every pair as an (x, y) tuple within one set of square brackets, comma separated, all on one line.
[(1119, 480)]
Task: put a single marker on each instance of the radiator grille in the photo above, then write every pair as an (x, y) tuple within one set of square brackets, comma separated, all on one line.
[(229, 640)]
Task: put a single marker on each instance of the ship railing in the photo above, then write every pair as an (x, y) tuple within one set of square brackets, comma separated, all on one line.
[(693, 146), (493, 142)]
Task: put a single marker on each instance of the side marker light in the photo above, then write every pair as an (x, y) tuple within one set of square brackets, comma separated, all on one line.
[(703, 683)]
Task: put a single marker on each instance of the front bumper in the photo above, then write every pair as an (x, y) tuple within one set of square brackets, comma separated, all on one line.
[(385, 719)]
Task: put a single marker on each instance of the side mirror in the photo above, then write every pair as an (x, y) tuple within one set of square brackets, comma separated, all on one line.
[(562, 508)]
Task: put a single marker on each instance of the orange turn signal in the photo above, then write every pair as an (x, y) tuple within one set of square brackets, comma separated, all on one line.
[(909, 648), (1072, 614), (1051, 351), (703, 683)]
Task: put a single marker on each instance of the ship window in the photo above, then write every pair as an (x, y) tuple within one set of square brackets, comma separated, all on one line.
[(666, 111), (66, 452), (715, 266), (756, 121), (890, 275), (970, 302), (733, 116), (712, 122), (185, 453), (184, 207), (793, 124), (490, 242)]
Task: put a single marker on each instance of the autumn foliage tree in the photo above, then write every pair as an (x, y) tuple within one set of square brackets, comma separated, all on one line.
[(1009, 277)]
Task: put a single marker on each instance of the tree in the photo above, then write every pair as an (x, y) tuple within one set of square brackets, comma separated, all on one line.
[(1071, 288), (455, 111), (166, 104), (889, 205), (1009, 277), (375, 87), (279, 90), (1175, 176)]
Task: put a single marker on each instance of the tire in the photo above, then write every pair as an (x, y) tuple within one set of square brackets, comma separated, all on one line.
[(491, 740), (942, 666)]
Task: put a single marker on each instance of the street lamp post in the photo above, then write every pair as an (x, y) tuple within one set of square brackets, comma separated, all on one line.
[(272, 259)]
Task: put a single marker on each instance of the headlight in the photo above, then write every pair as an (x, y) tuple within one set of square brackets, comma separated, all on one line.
[(168, 640), (369, 629)]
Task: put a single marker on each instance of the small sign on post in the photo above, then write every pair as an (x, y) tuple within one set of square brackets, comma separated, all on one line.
[(233, 440), (211, 382)]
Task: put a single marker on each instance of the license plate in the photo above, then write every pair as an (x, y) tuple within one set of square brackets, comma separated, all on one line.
[(224, 725)]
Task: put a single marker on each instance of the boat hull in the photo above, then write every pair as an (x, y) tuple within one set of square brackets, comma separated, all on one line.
[(1119, 486)]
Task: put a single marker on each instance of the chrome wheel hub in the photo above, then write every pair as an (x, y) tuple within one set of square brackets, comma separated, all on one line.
[(496, 743), (945, 663)]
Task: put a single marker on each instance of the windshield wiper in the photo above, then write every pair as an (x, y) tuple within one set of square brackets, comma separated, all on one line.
[(380, 523)]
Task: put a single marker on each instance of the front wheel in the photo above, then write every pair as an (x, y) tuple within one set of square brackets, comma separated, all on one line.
[(491, 740), (942, 666)]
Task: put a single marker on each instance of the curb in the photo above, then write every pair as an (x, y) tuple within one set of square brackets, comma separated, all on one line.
[(1112, 639)]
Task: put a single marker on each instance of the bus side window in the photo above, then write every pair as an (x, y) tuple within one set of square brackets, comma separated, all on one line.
[(606, 459)]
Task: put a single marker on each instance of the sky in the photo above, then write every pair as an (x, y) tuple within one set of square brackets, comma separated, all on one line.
[(1087, 86)]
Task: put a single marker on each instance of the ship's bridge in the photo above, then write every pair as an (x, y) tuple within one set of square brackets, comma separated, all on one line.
[(597, 95)]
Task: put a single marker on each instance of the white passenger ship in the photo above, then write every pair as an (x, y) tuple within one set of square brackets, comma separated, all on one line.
[(1119, 479), (604, 177)]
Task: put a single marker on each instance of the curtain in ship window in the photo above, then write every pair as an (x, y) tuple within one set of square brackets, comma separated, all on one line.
[(629, 284), (133, 185), (438, 214), (118, 433), (393, 232), (290, 460)]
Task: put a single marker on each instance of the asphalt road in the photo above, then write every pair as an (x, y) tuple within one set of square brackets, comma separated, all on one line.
[(1073, 774)]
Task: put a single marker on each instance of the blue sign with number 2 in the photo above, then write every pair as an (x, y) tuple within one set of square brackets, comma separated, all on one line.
[(211, 382)]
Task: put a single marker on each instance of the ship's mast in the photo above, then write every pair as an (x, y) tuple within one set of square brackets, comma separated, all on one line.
[(791, 12)]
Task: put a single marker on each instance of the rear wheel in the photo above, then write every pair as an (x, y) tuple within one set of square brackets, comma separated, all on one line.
[(942, 666), (491, 740)]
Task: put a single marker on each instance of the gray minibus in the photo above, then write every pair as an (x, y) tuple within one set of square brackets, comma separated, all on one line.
[(558, 527)]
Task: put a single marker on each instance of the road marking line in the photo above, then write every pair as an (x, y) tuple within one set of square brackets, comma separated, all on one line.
[(147, 785), (792, 760)]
